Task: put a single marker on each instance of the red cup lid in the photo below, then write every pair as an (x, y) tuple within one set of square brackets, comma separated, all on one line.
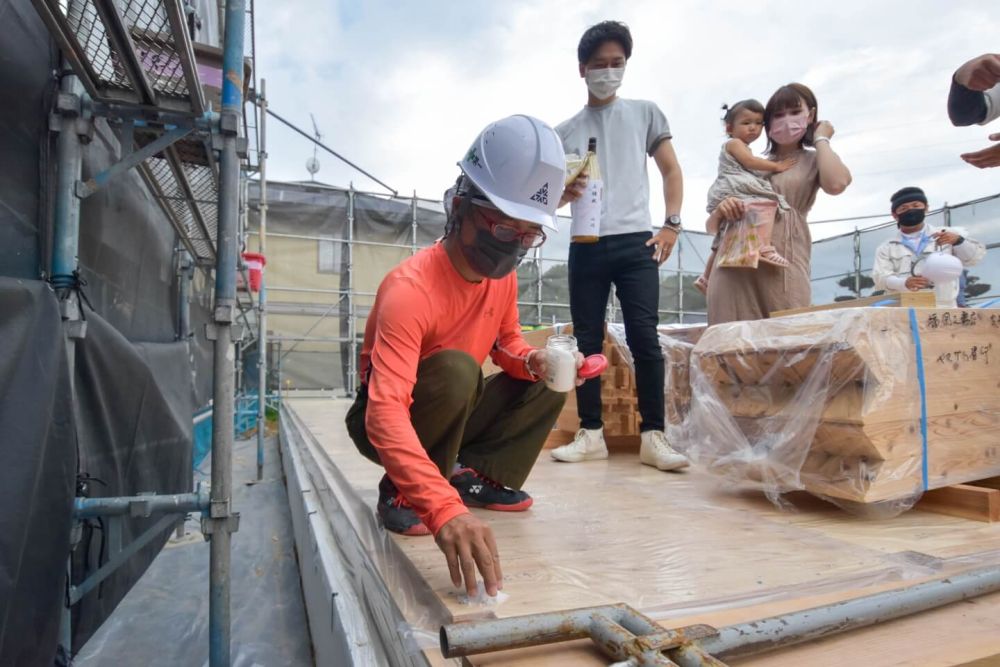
[(593, 366)]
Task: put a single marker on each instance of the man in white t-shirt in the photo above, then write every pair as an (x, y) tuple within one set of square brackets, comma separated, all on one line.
[(895, 258), (626, 252)]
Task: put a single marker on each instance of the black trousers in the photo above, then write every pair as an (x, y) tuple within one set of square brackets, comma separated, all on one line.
[(625, 261)]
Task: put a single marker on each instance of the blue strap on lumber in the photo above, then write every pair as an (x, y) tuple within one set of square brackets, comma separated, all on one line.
[(915, 332)]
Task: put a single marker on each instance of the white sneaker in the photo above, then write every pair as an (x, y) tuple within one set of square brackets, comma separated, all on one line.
[(588, 445), (656, 451)]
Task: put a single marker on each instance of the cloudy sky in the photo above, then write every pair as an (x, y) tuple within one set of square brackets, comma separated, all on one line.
[(402, 88)]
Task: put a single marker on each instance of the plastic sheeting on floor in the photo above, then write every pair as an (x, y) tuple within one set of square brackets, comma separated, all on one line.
[(164, 618)]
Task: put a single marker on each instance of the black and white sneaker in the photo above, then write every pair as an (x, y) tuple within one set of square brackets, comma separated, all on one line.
[(478, 490), (396, 512)]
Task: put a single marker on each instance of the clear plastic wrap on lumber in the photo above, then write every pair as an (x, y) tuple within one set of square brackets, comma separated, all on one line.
[(866, 407)]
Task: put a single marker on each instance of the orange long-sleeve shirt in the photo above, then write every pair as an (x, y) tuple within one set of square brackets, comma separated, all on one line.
[(424, 306)]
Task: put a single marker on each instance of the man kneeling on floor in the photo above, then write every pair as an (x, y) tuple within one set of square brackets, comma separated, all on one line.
[(447, 438)]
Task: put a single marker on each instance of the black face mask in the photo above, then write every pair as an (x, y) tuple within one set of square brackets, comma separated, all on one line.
[(489, 256), (911, 218)]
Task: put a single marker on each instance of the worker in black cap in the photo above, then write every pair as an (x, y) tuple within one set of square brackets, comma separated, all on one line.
[(916, 238)]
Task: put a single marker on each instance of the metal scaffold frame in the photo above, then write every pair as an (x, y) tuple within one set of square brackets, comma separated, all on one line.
[(349, 302), (262, 295), (539, 302), (133, 64)]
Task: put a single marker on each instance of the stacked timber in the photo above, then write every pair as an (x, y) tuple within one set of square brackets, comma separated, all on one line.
[(619, 404), (620, 411), (832, 402)]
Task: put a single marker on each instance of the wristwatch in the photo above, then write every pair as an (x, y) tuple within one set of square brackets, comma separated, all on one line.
[(673, 222)]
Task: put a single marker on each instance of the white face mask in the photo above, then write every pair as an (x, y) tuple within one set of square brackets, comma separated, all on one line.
[(602, 83)]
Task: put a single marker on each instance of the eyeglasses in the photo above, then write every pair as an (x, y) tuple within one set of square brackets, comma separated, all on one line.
[(506, 231)]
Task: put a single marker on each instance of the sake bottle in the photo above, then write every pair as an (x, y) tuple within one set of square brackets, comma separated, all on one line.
[(586, 211)]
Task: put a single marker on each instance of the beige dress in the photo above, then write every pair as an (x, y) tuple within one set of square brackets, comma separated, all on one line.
[(751, 294)]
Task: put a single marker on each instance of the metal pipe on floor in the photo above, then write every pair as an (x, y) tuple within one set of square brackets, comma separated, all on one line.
[(802, 626), (464, 639), (617, 642), (262, 298), (619, 631), (612, 627), (221, 522)]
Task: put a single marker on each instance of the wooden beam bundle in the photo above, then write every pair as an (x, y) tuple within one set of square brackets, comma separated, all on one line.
[(849, 380)]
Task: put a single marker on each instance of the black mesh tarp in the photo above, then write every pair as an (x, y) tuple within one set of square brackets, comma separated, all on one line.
[(134, 405), (37, 471), (136, 387), (26, 81), (132, 434)]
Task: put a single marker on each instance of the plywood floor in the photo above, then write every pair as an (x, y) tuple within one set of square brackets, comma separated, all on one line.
[(682, 548)]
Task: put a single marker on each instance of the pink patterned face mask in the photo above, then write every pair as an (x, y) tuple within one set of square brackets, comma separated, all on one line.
[(789, 129)]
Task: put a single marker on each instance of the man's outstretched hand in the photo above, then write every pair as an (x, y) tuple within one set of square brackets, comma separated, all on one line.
[(468, 545), (986, 158)]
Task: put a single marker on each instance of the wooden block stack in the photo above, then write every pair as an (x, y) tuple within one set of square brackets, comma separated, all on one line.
[(620, 404), (620, 415), (620, 411), (855, 370)]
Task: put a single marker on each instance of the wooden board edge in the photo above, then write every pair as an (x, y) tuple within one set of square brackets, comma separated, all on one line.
[(966, 501)]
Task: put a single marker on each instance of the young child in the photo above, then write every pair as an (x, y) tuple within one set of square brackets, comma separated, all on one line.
[(742, 175)]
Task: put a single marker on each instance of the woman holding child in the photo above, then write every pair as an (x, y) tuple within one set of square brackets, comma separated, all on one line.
[(802, 146)]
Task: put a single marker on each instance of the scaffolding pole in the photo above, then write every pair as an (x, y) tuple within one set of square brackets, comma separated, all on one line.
[(277, 372), (352, 326), (69, 156), (413, 224), (221, 522), (262, 296), (185, 274), (857, 262), (538, 285), (73, 121), (64, 273), (680, 277)]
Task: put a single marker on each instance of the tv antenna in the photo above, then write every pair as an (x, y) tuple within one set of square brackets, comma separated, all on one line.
[(312, 164)]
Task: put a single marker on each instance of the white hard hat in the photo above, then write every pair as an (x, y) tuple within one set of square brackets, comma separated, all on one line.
[(520, 165), (940, 266)]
